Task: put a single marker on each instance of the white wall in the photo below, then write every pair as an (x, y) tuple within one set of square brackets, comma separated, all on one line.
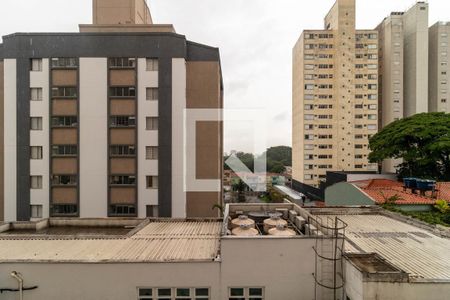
[(93, 137), (178, 128), (107, 281), (10, 139), (41, 138), (357, 289), (146, 79)]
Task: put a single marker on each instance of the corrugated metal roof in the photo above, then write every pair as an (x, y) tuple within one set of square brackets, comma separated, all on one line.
[(156, 242), (415, 251)]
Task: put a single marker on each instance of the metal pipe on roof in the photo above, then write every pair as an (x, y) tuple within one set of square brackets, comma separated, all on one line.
[(19, 279)]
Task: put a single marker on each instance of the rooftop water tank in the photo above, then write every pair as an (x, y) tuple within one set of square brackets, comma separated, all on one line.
[(242, 220), (281, 230), (245, 230), (425, 185), (272, 222)]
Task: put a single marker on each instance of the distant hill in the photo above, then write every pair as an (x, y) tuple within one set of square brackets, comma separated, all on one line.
[(277, 158)]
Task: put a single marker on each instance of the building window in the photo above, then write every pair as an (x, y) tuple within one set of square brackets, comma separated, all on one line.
[(64, 92), (36, 152), (173, 293), (64, 63), (309, 127), (123, 91), (125, 210), (123, 180), (309, 86), (372, 117), (309, 147), (246, 293), (309, 56), (372, 67), (151, 123), (443, 100), (36, 64), (372, 97), (372, 127), (64, 180), (36, 123), (309, 157), (122, 121), (122, 150), (64, 150), (309, 76), (372, 106), (309, 117), (152, 64), (372, 56), (309, 107), (358, 166), (372, 46), (373, 36), (308, 177), (152, 94), (358, 156), (151, 152), (372, 76), (152, 182), (64, 209), (36, 182), (309, 137), (70, 121), (36, 211), (358, 146), (36, 94), (122, 62), (309, 97), (309, 67)]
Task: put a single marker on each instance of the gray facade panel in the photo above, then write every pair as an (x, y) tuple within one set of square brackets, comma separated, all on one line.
[(23, 139)]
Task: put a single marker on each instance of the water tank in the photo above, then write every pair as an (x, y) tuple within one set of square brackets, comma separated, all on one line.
[(425, 185), (245, 230), (272, 222), (410, 183), (242, 220), (281, 230)]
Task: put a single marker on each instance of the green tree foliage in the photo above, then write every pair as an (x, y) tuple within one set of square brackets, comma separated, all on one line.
[(422, 141), (277, 159)]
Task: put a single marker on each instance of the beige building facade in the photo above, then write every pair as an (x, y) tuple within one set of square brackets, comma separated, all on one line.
[(439, 71), (335, 97)]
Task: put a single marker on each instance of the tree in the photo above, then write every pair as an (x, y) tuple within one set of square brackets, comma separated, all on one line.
[(422, 141), (240, 187)]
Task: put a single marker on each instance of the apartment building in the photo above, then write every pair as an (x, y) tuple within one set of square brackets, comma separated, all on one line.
[(439, 71), (335, 97), (415, 31), (95, 123), (391, 72)]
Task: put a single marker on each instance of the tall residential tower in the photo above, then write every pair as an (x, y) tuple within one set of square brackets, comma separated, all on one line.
[(97, 123), (335, 97)]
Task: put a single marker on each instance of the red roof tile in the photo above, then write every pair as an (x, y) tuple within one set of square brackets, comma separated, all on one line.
[(381, 189)]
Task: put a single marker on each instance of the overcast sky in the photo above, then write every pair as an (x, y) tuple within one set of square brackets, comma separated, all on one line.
[(255, 38)]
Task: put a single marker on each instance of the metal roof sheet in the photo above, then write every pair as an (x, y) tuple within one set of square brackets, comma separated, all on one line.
[(416, 251), (156, 242)]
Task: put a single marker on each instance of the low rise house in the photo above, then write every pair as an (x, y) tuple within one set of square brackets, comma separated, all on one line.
[(380, 191), (284, 252)]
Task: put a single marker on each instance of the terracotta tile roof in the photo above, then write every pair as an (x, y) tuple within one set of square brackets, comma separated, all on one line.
[(380, 189)]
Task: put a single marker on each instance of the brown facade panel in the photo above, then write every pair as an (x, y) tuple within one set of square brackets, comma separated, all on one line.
[(64, 107), (125, 166), (64, 166), (123, 195), (2, 149), (200, 204), (122, 77), (64, 196), (64, 136), (64, 77), (203, 85), (122, 136), (122, 107), (208, 150)]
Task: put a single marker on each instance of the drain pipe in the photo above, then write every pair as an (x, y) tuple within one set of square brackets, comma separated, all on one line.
[(19, 279)]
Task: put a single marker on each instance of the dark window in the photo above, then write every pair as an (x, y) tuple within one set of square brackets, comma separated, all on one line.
[(64, 62), (64, 92), (64, 209), (70, 121), (122, 121), (123, 91), (122, 62), (64, 150), (123, 210), (64, 180), (122, 150), (123, 180)]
